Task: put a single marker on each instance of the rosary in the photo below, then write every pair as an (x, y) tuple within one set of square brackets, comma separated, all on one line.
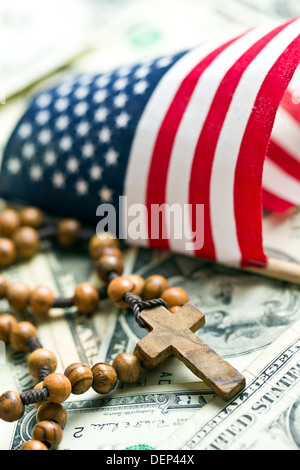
[(162, 310)]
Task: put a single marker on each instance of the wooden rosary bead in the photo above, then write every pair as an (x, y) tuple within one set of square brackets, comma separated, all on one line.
[(49, 411), (139, 284), (7, 322), (19, 335), (8, 252), (86, 298), (105, 378), (109, 264), (31, 217), (59, 387), (101, 241), (174, 309), (109, 251), (3, 286), (68, 232), (27, 242), (155, 285), (41, 300), (80, 376), (34, 445), (11, 407), (40, 358), (9, 222), (128, 368), (175, 296), (18, 295), (117, 288), (49, 433)]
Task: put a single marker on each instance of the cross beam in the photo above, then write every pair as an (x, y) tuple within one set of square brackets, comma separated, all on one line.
[(173, 334)]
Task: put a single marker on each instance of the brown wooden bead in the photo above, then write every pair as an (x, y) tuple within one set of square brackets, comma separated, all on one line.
[(105, 378), (49, 411), (19, 335), (18, 295), (49, 433), (3, 286), (31, 217), (155, 285), (9, 222), (59, 387), (40, 358), (108, 251), (175, 296), (34, 445), (109, 264), (7, 322), (68, 232), (117, 288), (8, 252), (11, 407), (27, 242), (101, 241), (139, 284), (80, 376), (86, 298), (128, 368), (174, 309), (41, 300)]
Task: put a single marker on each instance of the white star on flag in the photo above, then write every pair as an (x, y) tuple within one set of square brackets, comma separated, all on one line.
[(106, 194), (88, 150), (58, 180), (111, 157), (140, 87)]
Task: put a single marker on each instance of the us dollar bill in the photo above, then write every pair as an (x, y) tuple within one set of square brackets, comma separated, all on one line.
[(32, 52), (244, 313), (265, 416), (136, 419), (272, 8)]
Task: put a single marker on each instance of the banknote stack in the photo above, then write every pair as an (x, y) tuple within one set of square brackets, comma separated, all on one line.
[(251, 321)]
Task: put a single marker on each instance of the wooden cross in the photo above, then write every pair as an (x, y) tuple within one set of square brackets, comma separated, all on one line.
[(173, 334)]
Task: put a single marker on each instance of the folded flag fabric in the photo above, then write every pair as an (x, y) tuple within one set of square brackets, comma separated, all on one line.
[(191, 130)]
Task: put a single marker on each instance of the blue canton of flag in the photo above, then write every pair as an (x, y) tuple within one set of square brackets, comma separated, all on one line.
[(69, 152)]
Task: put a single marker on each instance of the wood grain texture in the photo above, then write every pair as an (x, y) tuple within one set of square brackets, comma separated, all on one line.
[(173, 334)]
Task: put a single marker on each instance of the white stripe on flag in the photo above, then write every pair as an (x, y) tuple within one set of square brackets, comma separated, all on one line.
[(222, 183), (281, 184)]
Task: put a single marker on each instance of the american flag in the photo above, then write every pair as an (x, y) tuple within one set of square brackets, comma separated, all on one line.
[(191, 128)]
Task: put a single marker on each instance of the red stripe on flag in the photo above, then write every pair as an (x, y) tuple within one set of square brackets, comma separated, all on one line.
[(157, 179), (272, 202), (249, 170), (208, 140), (284, 160), (291, 105)]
